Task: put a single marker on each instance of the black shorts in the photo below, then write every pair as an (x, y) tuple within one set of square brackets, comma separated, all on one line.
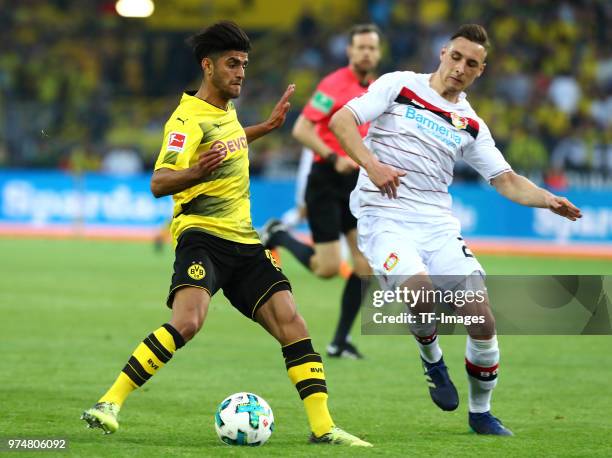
[(327, 202), (247, 274)]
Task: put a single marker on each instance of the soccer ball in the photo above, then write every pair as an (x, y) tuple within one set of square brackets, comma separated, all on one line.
[(244, 419)]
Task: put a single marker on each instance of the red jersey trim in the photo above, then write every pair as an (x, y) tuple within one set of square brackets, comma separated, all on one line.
[(408, 97)]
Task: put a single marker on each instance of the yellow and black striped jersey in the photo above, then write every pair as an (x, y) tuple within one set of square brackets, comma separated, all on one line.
[(220, 204)]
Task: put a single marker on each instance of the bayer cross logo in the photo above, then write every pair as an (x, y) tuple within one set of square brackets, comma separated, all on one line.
[(196, 271)]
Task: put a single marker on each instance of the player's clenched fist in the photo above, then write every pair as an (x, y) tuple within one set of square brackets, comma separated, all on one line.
[(209, 161), (386, 178)]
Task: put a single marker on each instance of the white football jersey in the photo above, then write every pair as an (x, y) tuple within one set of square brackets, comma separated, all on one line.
[(416, 130)]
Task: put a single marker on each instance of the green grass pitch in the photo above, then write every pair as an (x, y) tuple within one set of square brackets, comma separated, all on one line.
[(72, 312)]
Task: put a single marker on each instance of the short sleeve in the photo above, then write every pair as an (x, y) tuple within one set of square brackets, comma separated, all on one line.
[(181, 141), (484, 156), (381, 94), (321, 104)]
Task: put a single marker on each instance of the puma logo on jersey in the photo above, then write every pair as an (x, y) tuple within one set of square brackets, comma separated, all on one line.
[(182, 120), (211, 132)]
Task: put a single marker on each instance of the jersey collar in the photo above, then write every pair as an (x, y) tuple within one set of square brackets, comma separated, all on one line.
[(426, 77), (191, 95)]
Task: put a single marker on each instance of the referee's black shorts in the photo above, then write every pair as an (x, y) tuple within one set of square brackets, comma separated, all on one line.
[(247, 274), (327, 202)]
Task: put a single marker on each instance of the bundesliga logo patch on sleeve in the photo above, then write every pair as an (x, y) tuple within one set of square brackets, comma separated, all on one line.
[(176, 141)]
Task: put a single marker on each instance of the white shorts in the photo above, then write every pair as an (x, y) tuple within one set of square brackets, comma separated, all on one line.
[(397, 250)]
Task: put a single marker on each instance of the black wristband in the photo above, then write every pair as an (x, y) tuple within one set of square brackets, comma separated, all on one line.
[(331, 158)]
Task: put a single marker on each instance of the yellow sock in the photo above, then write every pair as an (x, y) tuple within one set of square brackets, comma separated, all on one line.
[(119, 390), (318, 414), (305, 369), (150, 356)]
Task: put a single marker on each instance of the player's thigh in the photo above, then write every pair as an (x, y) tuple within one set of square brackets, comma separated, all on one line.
[(194, 280), (360, 264), (189, 310), (392, 253), (279, 316), (322, 207), (254, 280), (423, 301), (327, 259)]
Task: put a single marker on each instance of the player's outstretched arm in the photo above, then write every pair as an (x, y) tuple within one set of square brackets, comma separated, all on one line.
[(166, 181), (522, 191), (385, 177), (275, 120)]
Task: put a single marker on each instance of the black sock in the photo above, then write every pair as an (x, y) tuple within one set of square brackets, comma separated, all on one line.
[(301, 251), (351, 302)]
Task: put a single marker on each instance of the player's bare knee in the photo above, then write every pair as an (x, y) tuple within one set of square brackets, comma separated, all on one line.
[(279, 316), (188, 323), (479, 319), (189, 311), (327, 271), (288, 317), (325, 266), (420, 283), (297, 323), (189, 328), (290, 326), (421, 310), (292, 329)]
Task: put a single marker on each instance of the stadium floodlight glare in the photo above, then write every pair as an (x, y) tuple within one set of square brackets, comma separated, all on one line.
[(135, 8)]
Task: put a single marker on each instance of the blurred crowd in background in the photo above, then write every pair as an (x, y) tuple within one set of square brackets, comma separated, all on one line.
[(84, 89)]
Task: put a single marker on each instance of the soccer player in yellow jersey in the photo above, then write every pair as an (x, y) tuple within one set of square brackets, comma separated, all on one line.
[(204, 165)]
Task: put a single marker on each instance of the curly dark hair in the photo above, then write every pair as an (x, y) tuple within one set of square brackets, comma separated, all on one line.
[(219, 37)]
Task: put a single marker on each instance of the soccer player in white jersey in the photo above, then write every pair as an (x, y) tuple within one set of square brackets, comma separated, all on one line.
[(420, 125)]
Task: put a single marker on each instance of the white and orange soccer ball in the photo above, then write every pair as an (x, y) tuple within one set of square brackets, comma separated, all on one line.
[(244, 419)]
